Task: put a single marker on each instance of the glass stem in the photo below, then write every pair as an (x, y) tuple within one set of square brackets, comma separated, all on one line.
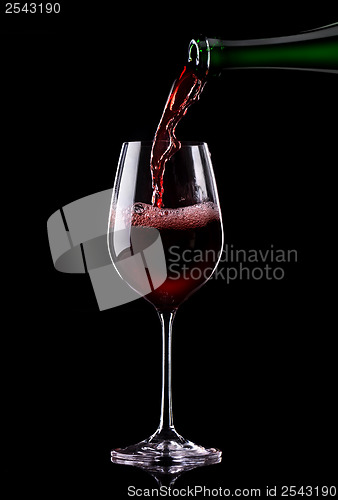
[(166, 426)]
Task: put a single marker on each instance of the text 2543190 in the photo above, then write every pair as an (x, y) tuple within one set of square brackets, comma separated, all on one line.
[(32, 8)]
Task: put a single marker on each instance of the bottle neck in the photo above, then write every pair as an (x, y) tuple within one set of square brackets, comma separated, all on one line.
[(317, 50)]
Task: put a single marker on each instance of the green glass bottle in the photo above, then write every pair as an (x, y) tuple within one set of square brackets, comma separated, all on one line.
[(314, 50)]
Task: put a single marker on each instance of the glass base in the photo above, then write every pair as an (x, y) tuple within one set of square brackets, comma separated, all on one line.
[(166, 456)]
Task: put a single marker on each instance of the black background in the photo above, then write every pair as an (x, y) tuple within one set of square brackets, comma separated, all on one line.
[(253, 361)]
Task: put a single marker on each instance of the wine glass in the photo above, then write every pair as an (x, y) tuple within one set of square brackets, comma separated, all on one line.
[(165, 254)]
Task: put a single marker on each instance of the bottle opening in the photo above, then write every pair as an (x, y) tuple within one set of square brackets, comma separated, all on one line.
[(193, 53), (199, 56)]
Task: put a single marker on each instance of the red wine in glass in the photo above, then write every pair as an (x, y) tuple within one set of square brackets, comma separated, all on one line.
[(191, 238)]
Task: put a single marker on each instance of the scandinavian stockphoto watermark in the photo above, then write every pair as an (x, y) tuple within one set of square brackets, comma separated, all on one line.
[(193, 491), (233, 263), (206, 492), (77, 236)]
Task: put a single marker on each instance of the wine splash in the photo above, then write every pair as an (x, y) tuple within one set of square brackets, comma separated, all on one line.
[(185, 90)]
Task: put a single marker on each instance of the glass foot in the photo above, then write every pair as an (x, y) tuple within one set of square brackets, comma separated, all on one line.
[(166, 456)]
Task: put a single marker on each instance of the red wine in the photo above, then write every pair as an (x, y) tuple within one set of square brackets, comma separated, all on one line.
[(185, 90), (191, 239), (208, 56)]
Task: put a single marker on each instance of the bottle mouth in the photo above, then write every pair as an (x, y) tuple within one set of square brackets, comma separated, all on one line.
[(193, 53), (199, 55)]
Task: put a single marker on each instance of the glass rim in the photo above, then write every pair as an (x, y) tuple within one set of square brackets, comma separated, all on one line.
[(183, 143)]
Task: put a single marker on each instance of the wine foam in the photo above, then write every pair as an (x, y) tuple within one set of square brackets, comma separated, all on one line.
[(183, 218)]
